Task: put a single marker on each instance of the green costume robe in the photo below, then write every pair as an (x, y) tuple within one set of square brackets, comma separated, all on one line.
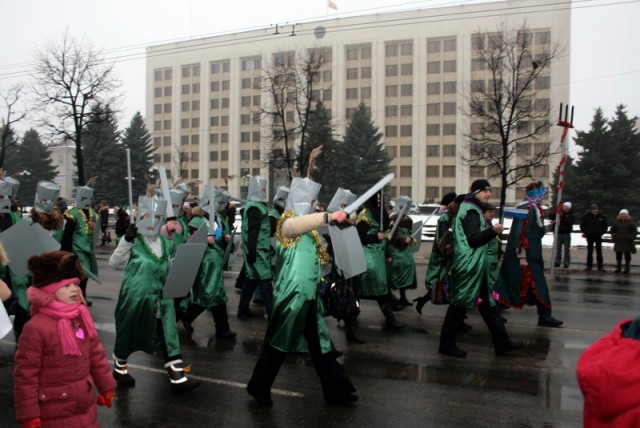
[(82, 240), (295, 289), (470, 266), (402, 268), (438, 269), (18, 285), (208, 288), (515, 285), (140, 299), (261, 269), (373, 282)]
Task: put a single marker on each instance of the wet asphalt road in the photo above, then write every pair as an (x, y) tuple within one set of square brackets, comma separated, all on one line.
[(401, 379)]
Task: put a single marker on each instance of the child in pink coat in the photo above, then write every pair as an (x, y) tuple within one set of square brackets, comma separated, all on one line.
[(59, 360)]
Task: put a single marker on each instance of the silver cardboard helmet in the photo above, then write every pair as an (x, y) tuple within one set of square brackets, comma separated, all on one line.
[(303, 194), (83, 197), (205, 199), (341, 199), (403, 201), (46, 195), (223, 197), (257, 189), (15, 186), (178, 195), (280, 199), (151, 212), (6, 190)]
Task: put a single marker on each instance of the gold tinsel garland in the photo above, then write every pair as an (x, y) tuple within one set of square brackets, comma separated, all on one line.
[(321, 249)]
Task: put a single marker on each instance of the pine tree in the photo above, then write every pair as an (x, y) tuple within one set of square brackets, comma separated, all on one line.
[(137, 139), (104, 157), (363, 160), (320, 133), (606, 172), (34, 158)]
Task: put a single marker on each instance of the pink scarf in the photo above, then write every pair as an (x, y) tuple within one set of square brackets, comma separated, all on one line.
[(43, 301)]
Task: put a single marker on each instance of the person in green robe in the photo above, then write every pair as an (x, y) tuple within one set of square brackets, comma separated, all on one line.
[(77, 237), (208, 289), (401, 268), (371, 223), (470, 284), (144, 320), (522, 281), (297, 322)]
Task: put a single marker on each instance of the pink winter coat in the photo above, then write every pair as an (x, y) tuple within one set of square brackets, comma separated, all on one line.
[(609, 377), (57, 388)]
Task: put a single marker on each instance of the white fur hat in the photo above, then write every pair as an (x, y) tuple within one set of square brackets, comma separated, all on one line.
[(567, 205), (624, 212)]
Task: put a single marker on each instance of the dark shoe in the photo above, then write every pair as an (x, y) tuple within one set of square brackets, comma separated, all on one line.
[(512, 346), (421, 301), (258, 302), (263, 399), (566, 266), (616, 271), (405, 302), (347, 399), (247, 315), (550, 322), (453, 352), (352, 338), (226, 335), (392, 322), (587, 269), (601, 270), (626, 270), (187, 325), (465, 327), (179, 382), (556, 265), (122, 376)]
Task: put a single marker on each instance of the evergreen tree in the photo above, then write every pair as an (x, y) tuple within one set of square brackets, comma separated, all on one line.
[(320, 133), (104, 157), (34, 159), (607, 170), (137, 139), (363, 160)]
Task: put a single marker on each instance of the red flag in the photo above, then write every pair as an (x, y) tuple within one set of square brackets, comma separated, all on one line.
[(331, 5)]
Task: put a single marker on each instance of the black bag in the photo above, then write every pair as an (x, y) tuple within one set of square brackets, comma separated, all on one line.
[(339, 299), (444, 246)]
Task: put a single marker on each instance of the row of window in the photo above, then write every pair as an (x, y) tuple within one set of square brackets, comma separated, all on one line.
[(432, 130)]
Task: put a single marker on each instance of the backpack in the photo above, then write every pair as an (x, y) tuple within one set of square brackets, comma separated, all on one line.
[(444, 246)]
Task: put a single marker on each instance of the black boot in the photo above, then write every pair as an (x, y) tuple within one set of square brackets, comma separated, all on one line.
[(179, 382), (403, 298), (221, 320), (421, 301), (121, 373), (390, 319), (350, 334)]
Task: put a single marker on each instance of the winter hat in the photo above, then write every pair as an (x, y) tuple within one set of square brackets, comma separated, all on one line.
[(54, 266), (480, 185), (594, 207), (448, 198), (624, 212), (567, 205)]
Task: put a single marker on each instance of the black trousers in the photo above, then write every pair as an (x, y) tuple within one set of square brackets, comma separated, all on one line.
[(597, 243), (219, 313), (333, 377), (455, 316)]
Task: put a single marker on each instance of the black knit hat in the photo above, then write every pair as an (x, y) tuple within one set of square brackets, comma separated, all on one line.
[(480, 185), (448, 198), (459, 199)]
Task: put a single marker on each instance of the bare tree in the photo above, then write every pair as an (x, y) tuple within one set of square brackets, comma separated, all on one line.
[(292, 82), (69, 78), (508, 104), (10, 100)]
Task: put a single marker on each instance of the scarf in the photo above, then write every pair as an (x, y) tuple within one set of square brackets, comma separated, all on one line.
[(43, 301)]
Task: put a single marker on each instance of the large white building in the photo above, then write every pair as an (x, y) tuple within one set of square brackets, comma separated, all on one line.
[(413, 69)]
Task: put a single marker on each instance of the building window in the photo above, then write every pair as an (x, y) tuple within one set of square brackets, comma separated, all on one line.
[(213, 121), (195, 139), (352, 54), (225, 103), (157, 75), (406, 130), (166, 141), (215, 86), (391, 70), (224, 138), (327, 75), (245, 83), (213, 139), (195, 122), (449, 45), (157, 142), (167, 107), (213, 156), (195, 88), (433, 88), (543, 82), (195, 156), (186, 71), (542, 105), (406, 69), (184, 140), (543, 38), (225, 85), (433, 170), (157, 108), (406, 90), (365, 93), (449, 87), (224, 121), (326, 95), (449, 129), (433, 46), (391, 131), (245, 101), (478, 64), (167, 124), (449, 150), (406, 110), (433, 129), (365, 72), (186, 89), (391, 111), (433, 109), (168, 91), (391, 90), (184, 106), (405, 171), (157, 92), (406, 151), (433, 67), (391, 151), (477, 86), (449, 66), (391, 50), (406, 49), (365, 52), (352, 73), (432, 192), (448, 171)]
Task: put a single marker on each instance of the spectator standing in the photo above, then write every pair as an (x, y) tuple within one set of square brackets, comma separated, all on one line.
[(567, 218), (122, 222), (593, 226), (104, 222), (623, 232)]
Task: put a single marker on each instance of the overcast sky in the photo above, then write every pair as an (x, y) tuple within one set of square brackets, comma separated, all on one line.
[(605, 44)]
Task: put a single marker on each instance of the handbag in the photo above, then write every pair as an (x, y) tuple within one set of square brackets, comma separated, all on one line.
[(339, 299), (444, 245), (440, 293)]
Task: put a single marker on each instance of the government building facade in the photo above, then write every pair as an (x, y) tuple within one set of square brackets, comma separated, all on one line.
[(415, 70)]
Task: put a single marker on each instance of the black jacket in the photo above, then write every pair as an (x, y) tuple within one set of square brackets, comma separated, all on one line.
[(593, 226), (566, 222)]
